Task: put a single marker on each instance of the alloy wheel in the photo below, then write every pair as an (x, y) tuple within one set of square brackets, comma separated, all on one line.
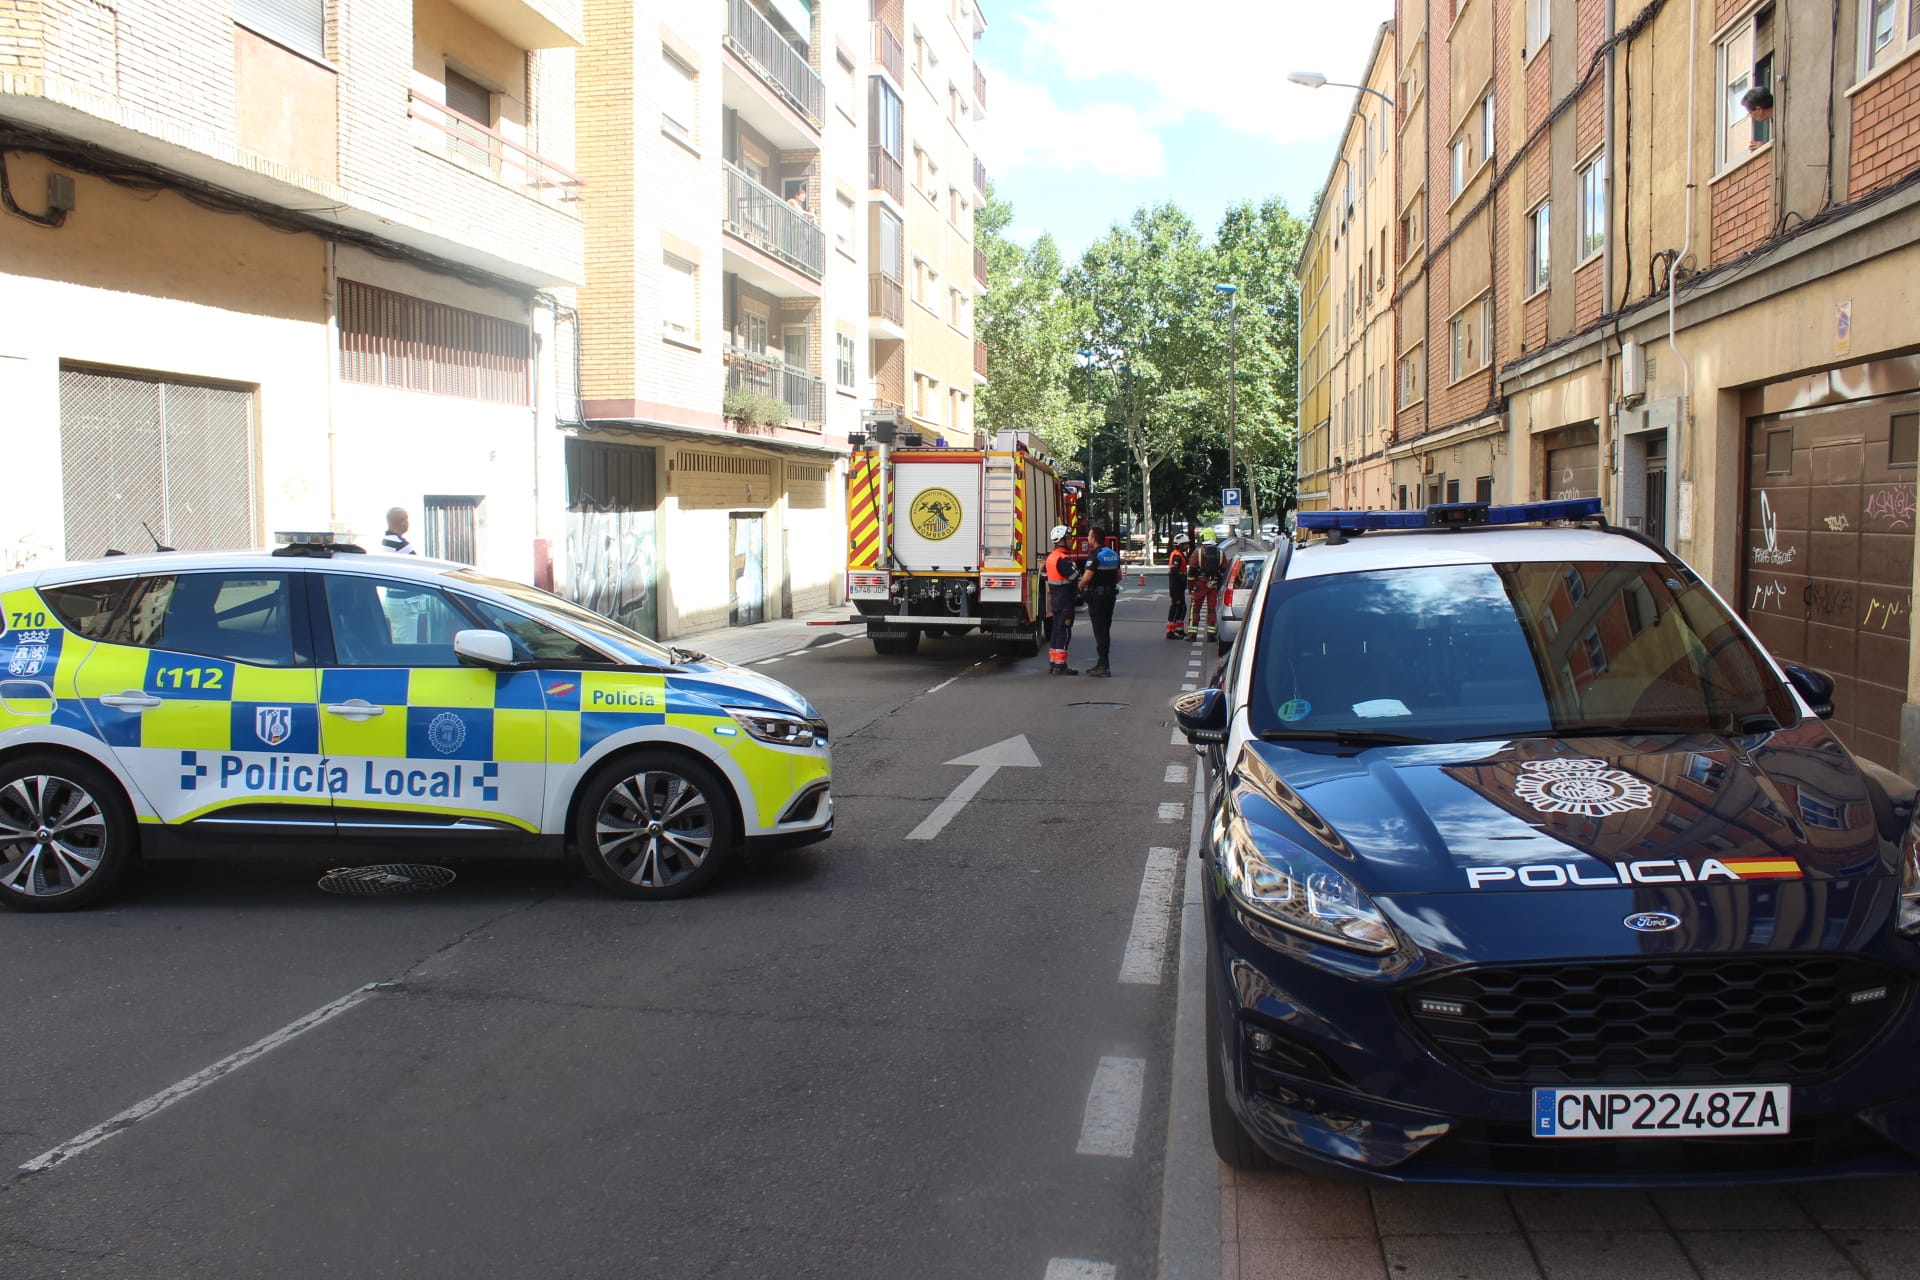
[(654, 828), (53, 835)]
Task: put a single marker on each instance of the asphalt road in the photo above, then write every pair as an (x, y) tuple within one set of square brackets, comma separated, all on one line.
[(875, 1057)]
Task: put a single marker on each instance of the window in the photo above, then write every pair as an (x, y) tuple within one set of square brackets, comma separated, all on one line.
[(1539, 247), (533, 641), (1780, 451), (1483, 489), (1459, 165), (1880, 33), (394, 340), (300, 25), (1487, 150), (1903, 443), (380, 623), (453, 528), (1470, 339), (1453, 491), (956, 308), (1539, 23), (925, 396), (1591, 235), (469, 98), (680, 299), (1410, 367), (240, 617), (956, 207), (849, 84), (679, 117), (1745, 61), (844, 222), (1458, 349), (843, 361), (886, 127)]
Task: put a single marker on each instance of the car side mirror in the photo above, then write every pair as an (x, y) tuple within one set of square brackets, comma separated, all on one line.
[(1202, 716), (484, 648), (1815, 686)]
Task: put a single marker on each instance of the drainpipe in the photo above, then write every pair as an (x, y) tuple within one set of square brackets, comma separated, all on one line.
[(1685, 443), (333, 368), (1612, 448)]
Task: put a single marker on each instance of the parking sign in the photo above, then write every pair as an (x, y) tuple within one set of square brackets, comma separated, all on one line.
[(1229, 504)]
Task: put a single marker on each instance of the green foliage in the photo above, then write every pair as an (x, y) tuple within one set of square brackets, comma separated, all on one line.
[(755, 407), (1031, 329)]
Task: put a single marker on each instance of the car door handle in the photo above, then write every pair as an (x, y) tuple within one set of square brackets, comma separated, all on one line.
[(130, 701), (356, 709)]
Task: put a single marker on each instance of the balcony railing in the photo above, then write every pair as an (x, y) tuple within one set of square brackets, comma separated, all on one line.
[(980, 358), (885, 173), (472, 145), (762, 218), (804, 395), (890, 52), (979, 90), (784, 68), (979, 176), (980, 265), (886, 298)]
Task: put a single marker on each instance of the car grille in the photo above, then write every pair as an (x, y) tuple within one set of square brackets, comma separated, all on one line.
[(1765, 1020)]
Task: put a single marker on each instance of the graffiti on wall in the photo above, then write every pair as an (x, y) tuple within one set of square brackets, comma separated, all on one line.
[(610, 556)]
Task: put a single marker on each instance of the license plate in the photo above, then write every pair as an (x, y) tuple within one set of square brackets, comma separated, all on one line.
[(1660, 1113)]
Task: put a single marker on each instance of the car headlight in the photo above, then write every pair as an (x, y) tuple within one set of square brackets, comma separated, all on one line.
[(1909, 920), (777, 727), (1282, 883)]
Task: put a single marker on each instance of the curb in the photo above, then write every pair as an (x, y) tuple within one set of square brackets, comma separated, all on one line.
[(1190, 1192)]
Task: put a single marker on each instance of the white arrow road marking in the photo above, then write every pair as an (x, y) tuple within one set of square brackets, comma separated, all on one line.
[(1113, 1108), (1147, 944), (1014, 753)]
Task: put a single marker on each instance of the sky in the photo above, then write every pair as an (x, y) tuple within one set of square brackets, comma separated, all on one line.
[(1095, 107)]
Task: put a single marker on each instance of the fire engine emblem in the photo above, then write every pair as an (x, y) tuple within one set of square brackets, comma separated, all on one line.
[(935, 514), (1584, 787)]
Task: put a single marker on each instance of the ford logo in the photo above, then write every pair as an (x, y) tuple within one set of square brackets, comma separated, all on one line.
[(1651, 921)]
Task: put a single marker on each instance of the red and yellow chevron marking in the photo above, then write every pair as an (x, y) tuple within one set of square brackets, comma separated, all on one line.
[(864, 480), (1763, 868), (1019, 513)]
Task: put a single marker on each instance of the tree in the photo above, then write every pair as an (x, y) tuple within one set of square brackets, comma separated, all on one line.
[(1031, 330), (1256, 249)]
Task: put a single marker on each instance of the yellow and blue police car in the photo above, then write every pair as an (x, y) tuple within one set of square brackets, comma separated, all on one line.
[(261, 700)]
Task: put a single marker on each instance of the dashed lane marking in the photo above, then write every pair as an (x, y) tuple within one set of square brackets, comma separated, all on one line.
[(1179, 738), (943, 684), (1188, 687), (1113, 1108), (1171, 811), (1147, 944), (828, 644), (1078, 1269), (1176, 773), (767, 662)]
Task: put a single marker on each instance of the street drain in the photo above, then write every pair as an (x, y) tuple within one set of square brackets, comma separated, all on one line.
[(386, 879), (1102, 706)]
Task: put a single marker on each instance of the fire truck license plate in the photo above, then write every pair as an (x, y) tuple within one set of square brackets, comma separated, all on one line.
[(1660, 1113)]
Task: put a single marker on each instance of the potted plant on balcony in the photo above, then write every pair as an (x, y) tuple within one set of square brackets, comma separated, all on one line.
[(754, 409)]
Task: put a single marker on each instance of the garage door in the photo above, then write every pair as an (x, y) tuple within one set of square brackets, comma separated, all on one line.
[(1828, 555), (1572, 462)]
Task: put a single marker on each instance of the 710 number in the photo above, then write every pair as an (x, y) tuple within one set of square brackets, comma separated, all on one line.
[(29, 618), (189, 678)]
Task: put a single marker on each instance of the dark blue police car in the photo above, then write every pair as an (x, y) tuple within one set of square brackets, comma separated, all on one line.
[(1526, 864)]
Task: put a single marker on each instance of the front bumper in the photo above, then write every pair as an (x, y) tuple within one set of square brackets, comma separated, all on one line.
[(1326, 1071)]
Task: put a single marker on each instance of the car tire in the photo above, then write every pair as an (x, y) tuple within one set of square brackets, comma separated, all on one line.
[(655, 824), (1025, 646), (897, 645), (92, 836), (1231, 1141)]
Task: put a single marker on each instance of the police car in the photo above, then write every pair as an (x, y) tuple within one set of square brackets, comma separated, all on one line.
[(180, 702), (1527, 864)]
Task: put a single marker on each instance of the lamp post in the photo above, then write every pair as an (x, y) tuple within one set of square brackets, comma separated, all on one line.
[(1232, 293), (1314, 80)]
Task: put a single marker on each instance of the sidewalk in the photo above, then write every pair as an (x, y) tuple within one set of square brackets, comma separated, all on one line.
[(742, 645)]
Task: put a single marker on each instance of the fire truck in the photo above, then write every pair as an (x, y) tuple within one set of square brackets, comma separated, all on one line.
[(944, 541)]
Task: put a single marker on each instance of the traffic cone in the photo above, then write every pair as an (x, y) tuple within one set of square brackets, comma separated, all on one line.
[(1143, 579)]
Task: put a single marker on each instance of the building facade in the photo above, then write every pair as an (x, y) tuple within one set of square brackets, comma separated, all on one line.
[(1640, 261), (1347, 318), (283, 264), (758, 283)]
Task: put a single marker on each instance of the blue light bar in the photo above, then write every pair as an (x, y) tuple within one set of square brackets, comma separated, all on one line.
[(1449, 515)]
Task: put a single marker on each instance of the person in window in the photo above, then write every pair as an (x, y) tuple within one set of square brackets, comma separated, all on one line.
[(395, 540)]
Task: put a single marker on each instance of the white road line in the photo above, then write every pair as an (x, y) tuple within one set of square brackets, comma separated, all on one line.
[(1188, 687), (1179, 738), (1171, 811), (828, 644), (766, 662), (1176, 773), (1147, 944), (943, 684), (173, 1093), (1113, 1108), (1078, 1269)]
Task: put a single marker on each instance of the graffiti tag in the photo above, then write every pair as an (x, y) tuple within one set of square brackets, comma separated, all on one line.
[(1887, 611), (1827, 600), (1772, 552), (1766, 594), (1894, 505), (1837, 524)]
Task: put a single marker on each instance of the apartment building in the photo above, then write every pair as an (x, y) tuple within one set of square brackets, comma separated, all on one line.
[(1347, 318), (1656, 251), (283, 264), (746, 305)]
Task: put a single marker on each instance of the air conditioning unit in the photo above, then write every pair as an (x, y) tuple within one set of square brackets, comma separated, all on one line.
[(1426, 465), (1633, 371)]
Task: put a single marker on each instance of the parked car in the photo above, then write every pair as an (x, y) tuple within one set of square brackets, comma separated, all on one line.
[(1236, 594)]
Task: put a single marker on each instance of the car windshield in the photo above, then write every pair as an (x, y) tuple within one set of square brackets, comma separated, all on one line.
[(1484, 650), (630, 645)]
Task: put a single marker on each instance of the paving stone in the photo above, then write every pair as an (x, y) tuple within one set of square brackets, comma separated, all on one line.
[(1424, 1211), (1311, 1259), (1883, 1255), (1459, 1257), (1731, 1209), (1543, 1210), (1893, 1205), (1767, 1255), (1611, 1255), (1309, 1207)]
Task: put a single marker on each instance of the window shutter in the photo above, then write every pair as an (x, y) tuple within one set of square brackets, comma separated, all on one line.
[(300, 25)]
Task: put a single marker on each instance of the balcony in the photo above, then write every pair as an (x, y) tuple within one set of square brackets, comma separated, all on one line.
[(980, 265), (767, 222), (980, 360), (979, 91), (804, 395), (886, 298), (759, 44), (979, 176), (890, 52), (472, 145), (886, 173)]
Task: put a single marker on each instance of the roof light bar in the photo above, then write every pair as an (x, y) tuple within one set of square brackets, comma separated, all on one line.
[(1450, 515)]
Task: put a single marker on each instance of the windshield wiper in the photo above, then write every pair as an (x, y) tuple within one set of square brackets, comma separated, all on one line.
[(1345, 737), (686, 655)]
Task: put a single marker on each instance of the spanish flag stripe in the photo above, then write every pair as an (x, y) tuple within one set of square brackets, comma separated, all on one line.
[(1749, 868)]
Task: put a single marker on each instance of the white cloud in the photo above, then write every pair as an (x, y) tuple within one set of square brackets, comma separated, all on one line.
[(1031, 129), (1223, 59)]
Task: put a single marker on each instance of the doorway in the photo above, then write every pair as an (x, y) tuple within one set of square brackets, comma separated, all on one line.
[(747, 569)]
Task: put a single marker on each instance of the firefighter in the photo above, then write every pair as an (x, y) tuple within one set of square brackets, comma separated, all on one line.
[(1206, 575), (1177, 588), (1100, 585), (1060, 600)]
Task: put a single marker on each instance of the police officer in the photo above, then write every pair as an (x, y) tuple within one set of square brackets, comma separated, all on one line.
[(1060, 599), (1100, 584), (1177, 588)]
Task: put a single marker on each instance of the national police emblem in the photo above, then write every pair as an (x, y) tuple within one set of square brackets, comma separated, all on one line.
[(1588, 788)]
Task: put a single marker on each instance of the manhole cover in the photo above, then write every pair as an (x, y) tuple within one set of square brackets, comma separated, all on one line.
[(386, 879), (1102, 706)]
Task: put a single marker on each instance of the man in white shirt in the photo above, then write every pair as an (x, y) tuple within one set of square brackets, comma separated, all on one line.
[(395, 540)]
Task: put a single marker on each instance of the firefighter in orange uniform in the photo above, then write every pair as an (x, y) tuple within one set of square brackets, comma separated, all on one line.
[(1177, 588), (1060, 599)]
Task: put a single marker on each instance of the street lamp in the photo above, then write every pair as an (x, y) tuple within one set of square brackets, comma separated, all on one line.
[(1232, 293), (1085, 359), (1314, 80)]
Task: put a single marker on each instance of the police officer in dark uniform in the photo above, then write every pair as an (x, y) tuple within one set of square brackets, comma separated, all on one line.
[(1100, 584), (1060, 600)]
